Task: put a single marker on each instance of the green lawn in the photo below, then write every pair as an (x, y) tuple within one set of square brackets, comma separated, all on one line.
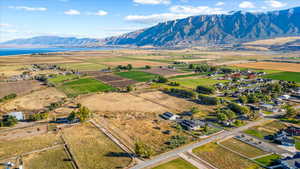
[(84, 86), (194, 82), (268, 160), (176, 164), (288, 76), (137, 76), (257, 133), (61, 78)]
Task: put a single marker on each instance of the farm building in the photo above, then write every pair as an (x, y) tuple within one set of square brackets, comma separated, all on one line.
[(18, 115), (169, 116)]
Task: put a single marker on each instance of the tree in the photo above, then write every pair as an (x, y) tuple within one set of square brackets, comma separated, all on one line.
[(129, 88), (8, 121), (230, 114), (243, 99), (143, 150), (82, 114), (205, 90), (161, 79), (147, 67), (129, 67), (290, 112), (194, 110), (242, 110), (222, 117)]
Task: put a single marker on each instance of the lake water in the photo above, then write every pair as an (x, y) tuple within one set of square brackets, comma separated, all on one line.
[(22, 51)]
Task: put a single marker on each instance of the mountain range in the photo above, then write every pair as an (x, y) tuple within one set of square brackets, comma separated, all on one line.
[(203, 30)]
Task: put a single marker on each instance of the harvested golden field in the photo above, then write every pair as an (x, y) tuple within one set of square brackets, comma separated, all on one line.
[(19, 87), (55, 158), (144, 127), (274, 41), (92, 149), (135, 63), (34, 101), (119, 102), (289, 67), (27, 144), (222, 158)]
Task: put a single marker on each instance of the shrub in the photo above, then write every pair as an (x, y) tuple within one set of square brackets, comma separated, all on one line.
[(181, 93), (205, 90), (207, 100), (239, 109)]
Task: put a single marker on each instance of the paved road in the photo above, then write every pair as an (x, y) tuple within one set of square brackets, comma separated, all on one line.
[(175, 152)]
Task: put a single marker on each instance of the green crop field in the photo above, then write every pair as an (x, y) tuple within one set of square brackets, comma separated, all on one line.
[(84, 86), (268, 160), (288, 76), (137, 76), (61, 78), (176, 164), (194, 82)]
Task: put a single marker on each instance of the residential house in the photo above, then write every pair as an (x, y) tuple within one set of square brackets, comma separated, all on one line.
[(169, 116), (290, 162), (282, 138), (293, 131), (192, 124)]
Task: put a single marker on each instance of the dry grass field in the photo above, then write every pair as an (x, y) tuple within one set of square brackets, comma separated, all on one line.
[(119, 102), (145, 127), (289, 67), (50, 159), (243, 148), (34, 101), (135, 63), (19, 87), (23, 132), (92, 149), (222, 158), (27, 144), (274, 41)]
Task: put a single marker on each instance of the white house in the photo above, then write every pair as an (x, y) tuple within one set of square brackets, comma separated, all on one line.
[(169, 116)]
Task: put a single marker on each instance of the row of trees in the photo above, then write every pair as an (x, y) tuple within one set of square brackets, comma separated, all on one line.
[(205, 89), (8, 121), (8, 97), (38, 116), (82, 114)]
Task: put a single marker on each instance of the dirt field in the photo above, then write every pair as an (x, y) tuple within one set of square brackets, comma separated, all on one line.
[(92, 149), (20, 87), (290, 67), (24, 132), (115, 81), (34, 101)]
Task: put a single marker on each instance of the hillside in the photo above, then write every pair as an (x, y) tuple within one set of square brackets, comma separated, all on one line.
[(51, 41), (215, 29)]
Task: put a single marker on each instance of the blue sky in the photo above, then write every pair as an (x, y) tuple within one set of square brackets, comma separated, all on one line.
[(104, 18)]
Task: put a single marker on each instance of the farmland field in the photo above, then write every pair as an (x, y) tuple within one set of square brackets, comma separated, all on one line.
[(222, 158), (61, 78), (289, 67), (138, 76), (51, 159), (265, 130), (162, 72), (20, 87), (193, 82), (243, 148), (92, 149), (84, 86), (176, 164), (288, 76), (27, 144), (83, 66)]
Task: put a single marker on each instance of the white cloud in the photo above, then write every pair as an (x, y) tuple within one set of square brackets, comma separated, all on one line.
[(152, 2), (8, 30), (275, 4), (192, 10), (246, 4), (98, 13), (4, 25), (220, 3), (26, 8), (154, 18), (72, 12)]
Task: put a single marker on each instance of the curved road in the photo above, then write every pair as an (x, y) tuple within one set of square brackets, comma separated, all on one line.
[(170, 154)]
